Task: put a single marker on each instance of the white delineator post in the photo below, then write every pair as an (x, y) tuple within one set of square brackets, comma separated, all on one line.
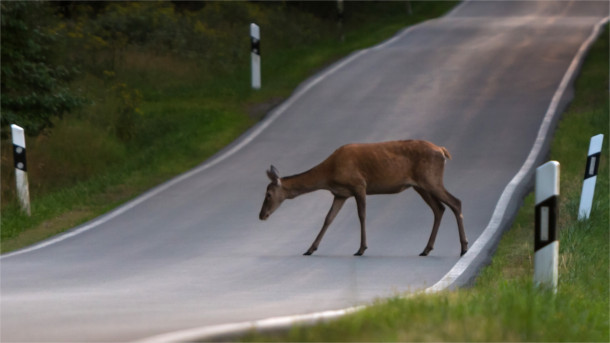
[(546, 246), (255, 37), (340, 18), (21, 175), (588, 185)]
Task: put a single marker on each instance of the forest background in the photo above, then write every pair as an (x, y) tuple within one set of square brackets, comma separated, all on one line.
[(116, 97)]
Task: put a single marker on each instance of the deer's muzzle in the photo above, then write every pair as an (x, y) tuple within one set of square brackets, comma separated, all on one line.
[(264, 215)]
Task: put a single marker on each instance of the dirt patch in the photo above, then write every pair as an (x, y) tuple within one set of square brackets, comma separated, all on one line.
[(259, 110)]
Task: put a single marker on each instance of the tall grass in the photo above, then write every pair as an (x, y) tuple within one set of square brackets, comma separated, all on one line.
[(503, 304)]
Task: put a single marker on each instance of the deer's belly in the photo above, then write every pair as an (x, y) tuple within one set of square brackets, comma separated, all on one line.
[(386, 189), (347, 191)]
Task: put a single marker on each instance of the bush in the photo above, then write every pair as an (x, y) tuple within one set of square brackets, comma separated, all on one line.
[(34, 88)]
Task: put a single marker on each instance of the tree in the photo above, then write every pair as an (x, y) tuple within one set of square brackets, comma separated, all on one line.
[(34, 87)]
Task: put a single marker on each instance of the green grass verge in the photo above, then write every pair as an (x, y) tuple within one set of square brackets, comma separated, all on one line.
[(503, 305), (178, 116)]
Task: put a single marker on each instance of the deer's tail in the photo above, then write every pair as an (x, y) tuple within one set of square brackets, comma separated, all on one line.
[(445, 152)]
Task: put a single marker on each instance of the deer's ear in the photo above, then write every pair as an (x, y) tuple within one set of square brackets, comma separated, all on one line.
[(273, 175)]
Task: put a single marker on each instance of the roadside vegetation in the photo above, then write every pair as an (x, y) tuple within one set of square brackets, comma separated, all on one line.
[(120, 96), (503, 305)]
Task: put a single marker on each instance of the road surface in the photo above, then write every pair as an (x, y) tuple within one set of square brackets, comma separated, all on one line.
[(192, 252)]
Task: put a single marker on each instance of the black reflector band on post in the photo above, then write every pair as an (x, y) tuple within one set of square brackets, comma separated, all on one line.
[(592, 165), (546, 222), (256, 46), (19, 157)]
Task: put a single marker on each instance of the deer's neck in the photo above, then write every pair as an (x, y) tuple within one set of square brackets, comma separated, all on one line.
[(306, 182)]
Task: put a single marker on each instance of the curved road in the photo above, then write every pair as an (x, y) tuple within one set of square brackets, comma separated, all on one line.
[(192, 252)]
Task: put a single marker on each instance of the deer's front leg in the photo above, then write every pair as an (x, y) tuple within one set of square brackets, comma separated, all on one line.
[(332, 213), (361, 203)]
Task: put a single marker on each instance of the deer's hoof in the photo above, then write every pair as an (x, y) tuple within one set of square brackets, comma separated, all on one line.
[(360, 252), (423, 254), (463, 252), (309, 252), (426, 252)]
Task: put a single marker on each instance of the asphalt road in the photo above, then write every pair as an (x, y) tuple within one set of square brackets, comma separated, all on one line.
[(193, 252)]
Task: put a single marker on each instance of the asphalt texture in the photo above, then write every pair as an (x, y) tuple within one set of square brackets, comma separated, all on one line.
[(193, 252)]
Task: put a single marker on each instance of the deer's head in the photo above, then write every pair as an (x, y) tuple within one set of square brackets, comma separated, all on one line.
[(274, 194)]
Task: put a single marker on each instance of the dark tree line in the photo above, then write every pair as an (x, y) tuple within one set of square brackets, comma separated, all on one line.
[(39, 58)]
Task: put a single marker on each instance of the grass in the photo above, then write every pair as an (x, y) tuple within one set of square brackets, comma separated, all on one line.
[(173, 118), (503, 305)]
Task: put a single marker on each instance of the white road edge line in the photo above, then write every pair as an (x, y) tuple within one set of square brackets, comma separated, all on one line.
[(209, 332), (498, 215)]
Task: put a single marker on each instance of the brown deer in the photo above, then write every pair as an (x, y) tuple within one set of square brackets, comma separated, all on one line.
[(375, 168)]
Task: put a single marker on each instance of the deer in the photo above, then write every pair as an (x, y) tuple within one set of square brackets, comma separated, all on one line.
[(361, 169)]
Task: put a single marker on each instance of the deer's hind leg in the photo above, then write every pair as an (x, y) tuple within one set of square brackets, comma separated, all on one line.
[(332, 213), (361, 204), (456, 206), (437, 209)]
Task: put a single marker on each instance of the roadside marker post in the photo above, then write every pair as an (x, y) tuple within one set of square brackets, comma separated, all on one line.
[(340, 15), (21, 175), (546, 246), (588, 185), (255, 38)]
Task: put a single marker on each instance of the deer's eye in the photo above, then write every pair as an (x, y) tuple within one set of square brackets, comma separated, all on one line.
[(268, 196)]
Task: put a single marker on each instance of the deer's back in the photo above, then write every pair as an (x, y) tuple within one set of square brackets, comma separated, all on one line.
[(386, 167)]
